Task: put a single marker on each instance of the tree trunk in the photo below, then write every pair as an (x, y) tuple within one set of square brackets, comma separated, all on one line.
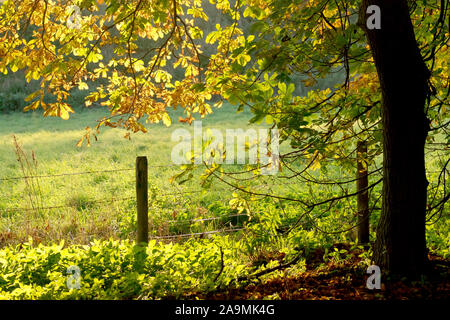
[(400, 247), (363, 196)]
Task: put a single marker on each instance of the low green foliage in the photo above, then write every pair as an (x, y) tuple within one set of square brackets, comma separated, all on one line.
[(116, 269)]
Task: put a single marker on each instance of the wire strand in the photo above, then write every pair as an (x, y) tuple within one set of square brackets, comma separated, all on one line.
[(195, 234)]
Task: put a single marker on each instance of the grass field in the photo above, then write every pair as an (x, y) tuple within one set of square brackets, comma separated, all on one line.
[(92, 206), (53, 141)]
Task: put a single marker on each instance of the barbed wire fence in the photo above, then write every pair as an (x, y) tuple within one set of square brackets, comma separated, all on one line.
[(141, 192), (144, 200)]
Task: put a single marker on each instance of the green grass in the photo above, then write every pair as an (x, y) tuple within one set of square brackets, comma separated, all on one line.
[(83, 219), (53, 142)]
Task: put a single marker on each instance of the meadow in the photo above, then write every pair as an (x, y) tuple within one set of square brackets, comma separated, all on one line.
[(92, 192), (101, 203), (92, 206)]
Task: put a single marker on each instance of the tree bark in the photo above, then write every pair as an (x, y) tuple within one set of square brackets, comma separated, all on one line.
[(363, 196), (400, 246)]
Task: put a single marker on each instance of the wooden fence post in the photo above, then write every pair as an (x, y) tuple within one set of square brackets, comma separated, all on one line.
[(142, 199)]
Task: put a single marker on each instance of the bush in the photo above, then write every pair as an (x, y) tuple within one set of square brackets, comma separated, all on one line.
[(14, 89), (116, 269)]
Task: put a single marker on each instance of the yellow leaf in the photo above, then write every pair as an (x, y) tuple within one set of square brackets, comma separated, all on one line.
[(33, 95), (33, 106), (64, 110), (315, 165), (35, 75), (64, 114), (83, 86), (166, 119), (80, 143)]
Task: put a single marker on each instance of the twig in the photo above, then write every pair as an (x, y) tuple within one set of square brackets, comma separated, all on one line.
[(270, 270), (221, 264)]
